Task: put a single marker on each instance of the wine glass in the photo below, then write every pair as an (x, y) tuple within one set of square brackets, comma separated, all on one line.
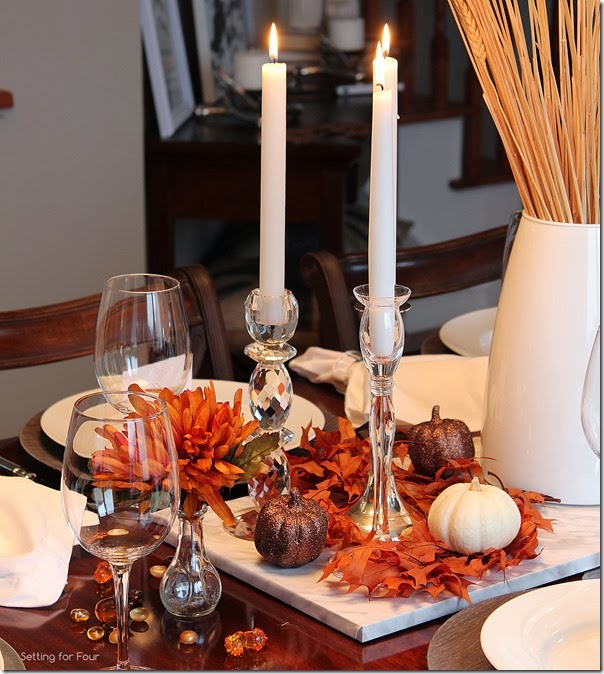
[(142, 335), (119, 486), (590, 398)]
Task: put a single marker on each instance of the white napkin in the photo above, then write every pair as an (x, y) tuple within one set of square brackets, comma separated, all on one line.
[(324, 366), (35, 544), (456, 383)]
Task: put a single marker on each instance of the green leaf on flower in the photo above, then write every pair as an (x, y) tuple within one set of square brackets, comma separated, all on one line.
[(249, 456)]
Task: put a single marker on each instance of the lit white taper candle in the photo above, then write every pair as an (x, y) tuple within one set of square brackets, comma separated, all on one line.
[(382, 239), (272, 173), (391, 82)]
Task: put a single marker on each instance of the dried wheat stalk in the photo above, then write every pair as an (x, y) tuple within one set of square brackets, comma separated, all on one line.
[(546, 110)]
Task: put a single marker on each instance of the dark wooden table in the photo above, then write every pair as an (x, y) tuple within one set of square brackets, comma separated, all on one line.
[(210, 169), (46, 638)]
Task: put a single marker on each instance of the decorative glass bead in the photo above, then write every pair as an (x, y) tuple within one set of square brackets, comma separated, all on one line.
[(238, 642), (80, 615), (255, 639), (105, 608), (188, 637), (113, 637), (139, 614), (95, 633), (102, 573), (158, 570)]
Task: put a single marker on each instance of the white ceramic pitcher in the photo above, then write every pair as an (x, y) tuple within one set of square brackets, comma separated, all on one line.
[(547, 317)]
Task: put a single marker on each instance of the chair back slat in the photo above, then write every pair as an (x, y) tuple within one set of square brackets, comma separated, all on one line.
[(434, 269), (66, 330)]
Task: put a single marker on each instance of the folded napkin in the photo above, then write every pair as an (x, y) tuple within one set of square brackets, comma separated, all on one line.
[(324, 366), (456, 383), (35, 544)]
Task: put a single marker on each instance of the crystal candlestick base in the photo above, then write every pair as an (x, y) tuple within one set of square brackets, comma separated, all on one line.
[(271, 321), (382, 337)]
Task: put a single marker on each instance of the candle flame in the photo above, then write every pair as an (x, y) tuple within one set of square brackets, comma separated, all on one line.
[(273, 50), (386, 40), (378, 66)]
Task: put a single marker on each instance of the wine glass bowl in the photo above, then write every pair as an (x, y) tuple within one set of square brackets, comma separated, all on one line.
[(142, 335), (119, 485), (590, 398)]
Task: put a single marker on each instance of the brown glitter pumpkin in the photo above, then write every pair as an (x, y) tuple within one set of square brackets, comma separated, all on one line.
[(433, 442), (291, 530)]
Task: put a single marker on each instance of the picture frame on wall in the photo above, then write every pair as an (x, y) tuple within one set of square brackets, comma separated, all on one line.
[(167, 64), (221, 30)]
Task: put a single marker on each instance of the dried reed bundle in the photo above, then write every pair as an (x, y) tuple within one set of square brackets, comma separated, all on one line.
[(546, 108)]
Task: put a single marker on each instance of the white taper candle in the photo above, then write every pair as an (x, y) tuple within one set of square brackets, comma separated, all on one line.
[(272, 174), (391, 82), (382, 240)]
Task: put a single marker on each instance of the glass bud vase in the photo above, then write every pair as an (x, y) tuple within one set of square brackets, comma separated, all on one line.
[(191, 586)]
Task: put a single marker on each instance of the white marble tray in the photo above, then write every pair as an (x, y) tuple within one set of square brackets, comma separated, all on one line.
[(572, 548)]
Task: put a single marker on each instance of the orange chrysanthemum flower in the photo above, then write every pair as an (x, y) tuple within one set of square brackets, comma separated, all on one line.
[(205, 432), (113, 468), (209, 437)]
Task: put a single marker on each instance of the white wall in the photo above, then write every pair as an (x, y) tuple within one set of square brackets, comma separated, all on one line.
[(71, 169), (429, 158)]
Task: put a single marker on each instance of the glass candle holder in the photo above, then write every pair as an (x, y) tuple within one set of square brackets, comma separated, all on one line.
[(382, 338), (271, 321)]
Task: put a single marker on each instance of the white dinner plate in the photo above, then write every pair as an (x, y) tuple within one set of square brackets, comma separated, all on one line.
[(55, 420), (554, 627), (470, 334)]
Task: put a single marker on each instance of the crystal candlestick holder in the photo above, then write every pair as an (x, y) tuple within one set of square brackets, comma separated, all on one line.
[(271, 322), (382, 337)]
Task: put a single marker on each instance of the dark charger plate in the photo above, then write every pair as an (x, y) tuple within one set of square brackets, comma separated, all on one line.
[(456, 644), (38, 445)]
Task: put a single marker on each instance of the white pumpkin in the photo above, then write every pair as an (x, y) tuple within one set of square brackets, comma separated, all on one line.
[(473, 517)]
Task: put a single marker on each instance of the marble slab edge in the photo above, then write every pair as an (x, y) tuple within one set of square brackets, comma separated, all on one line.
[(572, 548)]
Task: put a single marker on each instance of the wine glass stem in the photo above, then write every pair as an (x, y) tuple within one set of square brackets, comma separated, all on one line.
[(121, 582)]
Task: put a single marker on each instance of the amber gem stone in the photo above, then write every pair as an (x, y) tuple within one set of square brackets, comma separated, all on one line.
[(188, 637), (80, 615), (95, 633), (102, 573), (238, 642)]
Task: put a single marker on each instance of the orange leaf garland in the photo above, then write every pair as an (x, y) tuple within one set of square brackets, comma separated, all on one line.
[(332, 470), (333, 466)]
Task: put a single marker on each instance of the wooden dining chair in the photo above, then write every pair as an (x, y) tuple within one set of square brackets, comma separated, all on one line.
[(66, 330), (434, 269)]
